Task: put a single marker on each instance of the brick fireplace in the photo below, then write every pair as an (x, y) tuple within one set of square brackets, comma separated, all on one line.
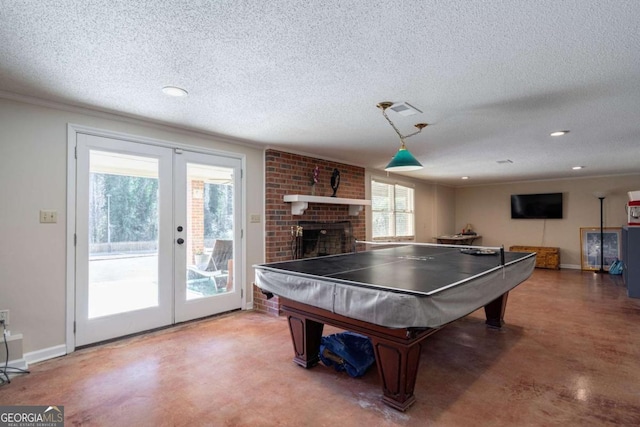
[(323, 238), (287, 173)]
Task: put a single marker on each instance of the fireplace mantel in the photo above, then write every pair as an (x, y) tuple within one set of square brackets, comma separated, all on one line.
[(300, 202)]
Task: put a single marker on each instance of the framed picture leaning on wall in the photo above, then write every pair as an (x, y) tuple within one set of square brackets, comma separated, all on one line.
[(590, 246)]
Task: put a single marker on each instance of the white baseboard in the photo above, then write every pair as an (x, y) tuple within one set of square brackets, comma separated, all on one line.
[(19, 364), (46, 353), (61, 350), (570, 266)]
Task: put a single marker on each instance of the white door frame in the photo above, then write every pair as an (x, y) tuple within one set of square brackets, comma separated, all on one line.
[(72, 131)]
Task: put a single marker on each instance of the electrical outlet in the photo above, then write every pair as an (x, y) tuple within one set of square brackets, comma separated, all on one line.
[(4, 316)]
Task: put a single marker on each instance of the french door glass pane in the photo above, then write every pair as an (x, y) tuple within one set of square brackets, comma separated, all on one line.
[(209, 230), (123, 233)]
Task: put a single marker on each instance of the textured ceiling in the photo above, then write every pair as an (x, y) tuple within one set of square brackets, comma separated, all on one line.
[(493, 78)]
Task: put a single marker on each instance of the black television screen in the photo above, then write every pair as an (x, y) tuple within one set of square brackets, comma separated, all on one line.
[(536, 206)]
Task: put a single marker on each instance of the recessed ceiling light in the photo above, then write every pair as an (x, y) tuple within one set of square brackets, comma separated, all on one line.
[(559, 133), (174, 91), (575, 168), (465, 177)]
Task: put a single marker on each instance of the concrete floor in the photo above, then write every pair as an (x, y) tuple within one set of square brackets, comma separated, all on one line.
[(569, 355)]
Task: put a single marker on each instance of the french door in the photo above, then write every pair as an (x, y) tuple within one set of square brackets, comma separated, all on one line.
[(208, 225), (157, 236)]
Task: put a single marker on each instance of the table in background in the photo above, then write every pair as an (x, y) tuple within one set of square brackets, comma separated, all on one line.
[(458, 239), (362, 292)]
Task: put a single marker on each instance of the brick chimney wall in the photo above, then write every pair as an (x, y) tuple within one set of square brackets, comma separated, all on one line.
[(287, 173)]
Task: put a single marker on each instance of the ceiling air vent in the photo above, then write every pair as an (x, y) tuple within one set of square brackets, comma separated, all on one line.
[(405, 109)]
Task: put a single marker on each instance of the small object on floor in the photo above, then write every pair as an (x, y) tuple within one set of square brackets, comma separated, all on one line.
[(616, 267), (347, 351)]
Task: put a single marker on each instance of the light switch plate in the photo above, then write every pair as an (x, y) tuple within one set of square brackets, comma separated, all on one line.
[(48, 217)]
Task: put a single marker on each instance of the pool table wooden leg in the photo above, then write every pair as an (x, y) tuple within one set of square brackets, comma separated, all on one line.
[(494, 311), (398, 367), (397, 350), (306, 335)]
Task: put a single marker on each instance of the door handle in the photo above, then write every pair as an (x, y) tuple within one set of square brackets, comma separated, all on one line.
[(180, 241)]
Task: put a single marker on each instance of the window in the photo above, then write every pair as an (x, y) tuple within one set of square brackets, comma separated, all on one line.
[(392, 207)]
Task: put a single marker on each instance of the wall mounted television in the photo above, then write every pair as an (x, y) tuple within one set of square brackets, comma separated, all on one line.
[(536, 206)]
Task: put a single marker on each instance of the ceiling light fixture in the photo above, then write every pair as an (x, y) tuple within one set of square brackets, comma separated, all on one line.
[(403, 161), (559, 133), (576, 168), (174, 91), (464, 177)]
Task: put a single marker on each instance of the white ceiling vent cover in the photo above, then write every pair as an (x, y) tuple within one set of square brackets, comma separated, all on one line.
[(405, 109)]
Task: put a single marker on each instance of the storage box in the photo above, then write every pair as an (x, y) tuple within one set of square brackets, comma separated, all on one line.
[(546, 257)]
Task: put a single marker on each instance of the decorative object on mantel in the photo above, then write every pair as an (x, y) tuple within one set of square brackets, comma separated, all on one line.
[(403, 161), (315, 178), (335, 181)]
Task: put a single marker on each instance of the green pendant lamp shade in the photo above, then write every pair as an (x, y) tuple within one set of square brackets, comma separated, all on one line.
[(403, 161)]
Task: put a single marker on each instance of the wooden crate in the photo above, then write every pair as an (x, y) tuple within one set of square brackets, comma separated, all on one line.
[(547, 257)]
